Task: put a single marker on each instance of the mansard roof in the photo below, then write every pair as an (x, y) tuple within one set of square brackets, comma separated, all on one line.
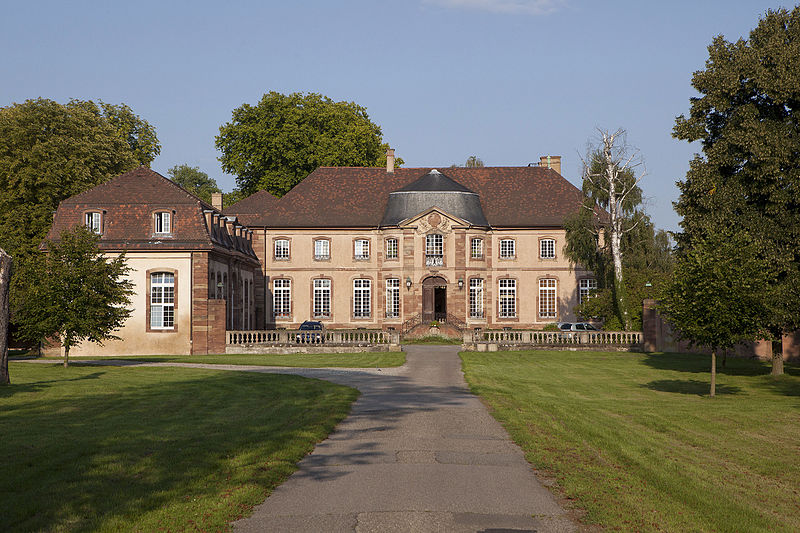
[(358, 197), (128, 203)]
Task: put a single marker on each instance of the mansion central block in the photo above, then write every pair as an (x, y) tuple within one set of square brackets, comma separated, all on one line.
[(371, 248)]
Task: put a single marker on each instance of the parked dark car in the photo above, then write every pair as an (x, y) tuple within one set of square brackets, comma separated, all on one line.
[(311, 332)]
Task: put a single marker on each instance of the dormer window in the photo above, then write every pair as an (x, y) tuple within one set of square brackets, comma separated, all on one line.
[(163, 222), (94, 222)]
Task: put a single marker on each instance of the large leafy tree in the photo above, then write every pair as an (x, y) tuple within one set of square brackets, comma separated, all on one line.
[(716, 297), (747, 120), (50, 151), (194, 180), (279, 141), (76, 294)]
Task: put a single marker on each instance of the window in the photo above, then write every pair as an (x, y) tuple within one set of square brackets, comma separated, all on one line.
[(163, 222), (322, 250), (547, 298), (282, 298), (94, 222), (585, 289), (391, 248), (322, 298), (547, 249), (392, 298), (508, 249), (434, 248), (508, 298), (362, 297), (281, 249), (362, 249), (162, 300), (476, 248), (476, 298), (246, 304)]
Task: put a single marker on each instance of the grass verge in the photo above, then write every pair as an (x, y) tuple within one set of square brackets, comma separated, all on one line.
[(636, 442), (152, 449), (320, 360), (434, 339)]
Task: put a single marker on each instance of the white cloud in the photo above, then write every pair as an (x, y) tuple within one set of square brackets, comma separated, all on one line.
[(524, 7)]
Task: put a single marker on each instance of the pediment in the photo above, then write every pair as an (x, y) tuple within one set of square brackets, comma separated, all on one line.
[(433, 218)]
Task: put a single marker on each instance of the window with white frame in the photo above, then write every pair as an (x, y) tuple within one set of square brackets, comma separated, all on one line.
[(391, 249), (281, 249), (508, 298), (282, 298), (547, 298), (392, 298), (476, 298), (547, 249), (586, 288), (322, 298), (362, 298), (163, 222), (434, 250), (361, 250), (246, 304), (162, 300), (322, 250), (476, 248), (508, 248), (94, 221)]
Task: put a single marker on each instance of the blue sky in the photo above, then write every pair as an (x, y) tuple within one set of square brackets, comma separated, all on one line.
[(506, 80)]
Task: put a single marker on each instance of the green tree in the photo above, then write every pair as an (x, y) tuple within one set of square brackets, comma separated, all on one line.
[(194, 180), (49, 152), (474, 161), (78, 293), (137, 132), (716, 297), (276, 143), (747, 119)]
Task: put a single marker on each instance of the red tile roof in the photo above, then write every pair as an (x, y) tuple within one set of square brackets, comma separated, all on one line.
[(357, 197)]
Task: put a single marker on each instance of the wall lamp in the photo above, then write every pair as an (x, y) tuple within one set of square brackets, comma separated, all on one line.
[(408, 282), (460, 283)]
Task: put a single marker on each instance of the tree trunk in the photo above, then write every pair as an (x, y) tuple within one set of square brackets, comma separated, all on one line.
[(777, 358), (5, 314), (66, 353), (615, 216), (713, 372)]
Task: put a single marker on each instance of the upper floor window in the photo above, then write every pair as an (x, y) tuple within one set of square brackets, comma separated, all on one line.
[(361, 250), (547, 248), (434, 250), (586, 287), (163, 222), (162, 300), (476, 248), (391, 248), (281, 249), (508, 249), (94, 221), (322, 250)]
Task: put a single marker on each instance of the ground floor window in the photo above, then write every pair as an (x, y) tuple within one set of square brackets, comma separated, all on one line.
[(476, 298), (362, 298), (547, 298), (162, 300), (392, 298), (508, 298), (322, 298), (586, 288), (282, 298)]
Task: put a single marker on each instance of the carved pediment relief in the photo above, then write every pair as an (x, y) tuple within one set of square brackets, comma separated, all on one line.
[(433, 219)]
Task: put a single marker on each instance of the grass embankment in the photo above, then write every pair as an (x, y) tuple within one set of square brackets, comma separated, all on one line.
[(636, 441), (152, 449), (319, 360), (434, 339)]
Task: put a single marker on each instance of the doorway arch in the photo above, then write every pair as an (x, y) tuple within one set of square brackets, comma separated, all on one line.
[(434, 299)]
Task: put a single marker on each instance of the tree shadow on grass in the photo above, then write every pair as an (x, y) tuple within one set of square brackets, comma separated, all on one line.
[(689, 386), (701, 364), (34, 386)]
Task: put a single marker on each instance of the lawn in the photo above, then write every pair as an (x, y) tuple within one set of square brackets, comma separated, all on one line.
[(636, 441), (146, 449), (319, 360)]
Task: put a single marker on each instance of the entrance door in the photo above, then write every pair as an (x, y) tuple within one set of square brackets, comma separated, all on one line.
[(434, 299)]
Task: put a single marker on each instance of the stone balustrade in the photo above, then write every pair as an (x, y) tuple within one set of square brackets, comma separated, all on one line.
[(286, 337), (492, 340)]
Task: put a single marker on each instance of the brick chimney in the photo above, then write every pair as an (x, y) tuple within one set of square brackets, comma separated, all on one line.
[(390, 160), (216, 200), (551, 161)]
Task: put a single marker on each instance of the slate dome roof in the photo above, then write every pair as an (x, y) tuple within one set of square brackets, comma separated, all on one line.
[(434, 189)]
